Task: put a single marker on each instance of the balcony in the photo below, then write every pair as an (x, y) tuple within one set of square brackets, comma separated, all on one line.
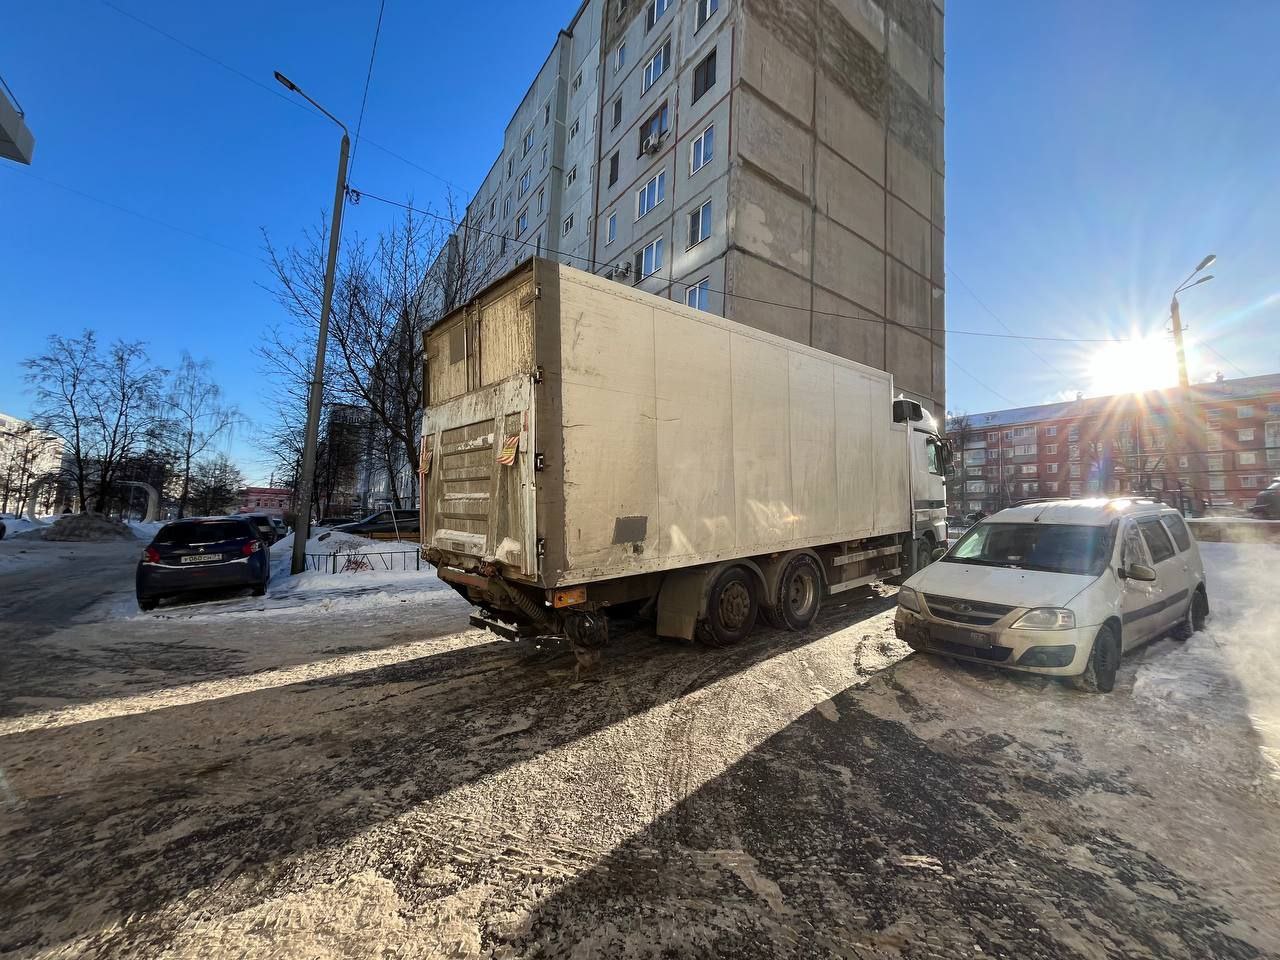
[(16, 141)]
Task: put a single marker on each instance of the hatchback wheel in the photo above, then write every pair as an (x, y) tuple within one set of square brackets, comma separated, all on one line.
[(1104, 660), (1193, 621)]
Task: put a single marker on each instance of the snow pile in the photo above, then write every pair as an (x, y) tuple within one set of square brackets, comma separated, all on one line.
[(82, 527)]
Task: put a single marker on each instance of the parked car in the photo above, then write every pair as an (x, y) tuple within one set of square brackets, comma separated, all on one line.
[(279, 526), (1060, 588), (385, 525), (262, 523), (203, 554), (1267, 506), (335, 521)]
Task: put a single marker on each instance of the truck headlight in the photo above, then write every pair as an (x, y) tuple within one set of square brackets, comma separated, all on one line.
[(1046, 618), (908, 599)]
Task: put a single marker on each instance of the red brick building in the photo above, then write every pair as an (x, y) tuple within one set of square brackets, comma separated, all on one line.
[(273, 501), (1129, 443)]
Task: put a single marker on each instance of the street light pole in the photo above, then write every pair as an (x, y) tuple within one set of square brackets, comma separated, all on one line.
[(302, 528), (1187, 418)]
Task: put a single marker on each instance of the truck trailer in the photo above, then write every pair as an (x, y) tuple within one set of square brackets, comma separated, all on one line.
[(587, 448)]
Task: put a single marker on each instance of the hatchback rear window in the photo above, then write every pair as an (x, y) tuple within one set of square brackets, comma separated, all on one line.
[(210, 531)]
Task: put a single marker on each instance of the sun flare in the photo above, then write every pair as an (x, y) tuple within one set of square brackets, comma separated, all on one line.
[(1145, 363)]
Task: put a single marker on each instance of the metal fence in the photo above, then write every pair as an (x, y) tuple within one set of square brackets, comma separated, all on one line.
[(363, 561)]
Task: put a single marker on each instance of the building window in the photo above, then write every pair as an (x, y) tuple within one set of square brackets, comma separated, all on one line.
[(1074, 470), (651, 194), (522, 222), (571, 176), (1248, 482), (511, 162), (568, 226), (544, 156), (1273, 409), (577, 82), (993, 454), (705, 9), (617, 113), (1074, 488), (652, 130), (493, 208), (620, 57), (1050, 449), (1246, 459), (1218, 483), (506, 205), (649, 260), (546, 113), (1244, 413), (704, 76), (1073, 451), (1028, 468), (1214, 439), (1051, 467), (699, 295), (656, 9), (528, 141), (993, 438), (1215, 461), (1008, 435), (1245, 434), (1184, 462), (611, 229), (1051, 431), (1025, 450), (656, 66), (1213, 418), (613, 168), (542, 196), (573, 130), (702, 149), (700, 224), (1271, 439), (525, 180), (1051, 486), (1073, 432)]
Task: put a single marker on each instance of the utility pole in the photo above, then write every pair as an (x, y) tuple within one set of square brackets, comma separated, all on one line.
[(1188, 433), (302, 529)]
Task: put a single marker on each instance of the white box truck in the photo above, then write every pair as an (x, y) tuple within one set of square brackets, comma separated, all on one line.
[(587, 446)]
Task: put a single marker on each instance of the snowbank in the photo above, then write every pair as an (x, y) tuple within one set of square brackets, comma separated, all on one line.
[(82, 528)]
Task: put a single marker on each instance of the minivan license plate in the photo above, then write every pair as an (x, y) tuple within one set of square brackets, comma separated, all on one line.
[(201, 557)]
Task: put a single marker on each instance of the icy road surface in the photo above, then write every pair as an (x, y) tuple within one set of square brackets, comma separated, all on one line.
[(357, 775)]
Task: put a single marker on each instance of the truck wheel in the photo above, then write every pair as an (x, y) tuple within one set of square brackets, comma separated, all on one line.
[(916, 555), (799, 594), (732, 606)]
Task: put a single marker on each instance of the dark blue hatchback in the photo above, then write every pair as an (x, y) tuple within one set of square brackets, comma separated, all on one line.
[(203, 554)]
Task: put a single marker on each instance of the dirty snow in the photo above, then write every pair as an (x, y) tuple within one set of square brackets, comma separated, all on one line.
[(225, 788)]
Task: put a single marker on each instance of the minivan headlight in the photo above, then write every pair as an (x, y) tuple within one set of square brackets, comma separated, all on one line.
[(909, 599), (1046, 618)]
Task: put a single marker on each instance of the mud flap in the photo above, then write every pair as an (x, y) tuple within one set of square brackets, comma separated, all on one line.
[(680, 602)]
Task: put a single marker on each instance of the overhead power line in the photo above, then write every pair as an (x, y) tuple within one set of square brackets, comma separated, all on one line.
[(980, 302), (270, 89), (1225, 360), (593, 264), (364, 97)]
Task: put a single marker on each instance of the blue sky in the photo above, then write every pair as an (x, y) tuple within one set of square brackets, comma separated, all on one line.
[(1094, 154)]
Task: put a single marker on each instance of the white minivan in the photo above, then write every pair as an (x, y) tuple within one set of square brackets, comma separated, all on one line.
[(1060, 587)]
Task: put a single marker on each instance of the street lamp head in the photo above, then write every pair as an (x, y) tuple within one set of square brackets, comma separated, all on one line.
[(1205, 279), (1203, 263), (291, 86)]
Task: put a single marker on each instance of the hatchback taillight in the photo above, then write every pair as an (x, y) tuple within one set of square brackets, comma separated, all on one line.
[(151, 555), (250, 548)]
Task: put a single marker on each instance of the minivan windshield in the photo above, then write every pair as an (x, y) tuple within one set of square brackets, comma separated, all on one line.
[(1052, 547)]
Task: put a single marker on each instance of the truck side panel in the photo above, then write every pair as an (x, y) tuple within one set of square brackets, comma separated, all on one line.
[(688, 439)]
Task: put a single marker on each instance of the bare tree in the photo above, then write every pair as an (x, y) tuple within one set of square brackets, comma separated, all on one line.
[(196, 418), (216, 485), (126, 405), (961, 435), (386, 294), (64, 380)]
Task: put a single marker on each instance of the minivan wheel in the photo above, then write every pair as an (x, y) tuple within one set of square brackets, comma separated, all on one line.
[(1193, 621), (1104, 660), (732, 605)]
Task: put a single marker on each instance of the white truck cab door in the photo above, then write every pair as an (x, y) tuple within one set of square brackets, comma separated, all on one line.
[(1171, 571), (1140, 602)]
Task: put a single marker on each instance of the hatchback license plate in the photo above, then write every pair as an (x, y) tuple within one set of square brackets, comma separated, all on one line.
[(201, 557)]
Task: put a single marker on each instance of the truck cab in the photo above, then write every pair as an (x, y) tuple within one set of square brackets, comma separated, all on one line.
[(931, 462)]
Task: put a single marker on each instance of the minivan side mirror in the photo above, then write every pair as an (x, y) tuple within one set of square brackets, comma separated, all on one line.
[(1137, 571)]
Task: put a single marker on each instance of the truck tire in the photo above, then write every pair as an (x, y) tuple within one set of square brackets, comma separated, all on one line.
[(916, 555), (733, 603), (799, 594)]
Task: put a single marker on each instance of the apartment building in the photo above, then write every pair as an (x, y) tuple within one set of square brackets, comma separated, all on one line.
[(778, 162), (1135, 443)]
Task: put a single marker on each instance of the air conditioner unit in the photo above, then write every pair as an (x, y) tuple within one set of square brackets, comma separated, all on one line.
[(649, 145)]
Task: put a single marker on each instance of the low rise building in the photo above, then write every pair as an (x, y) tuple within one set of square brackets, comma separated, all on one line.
[(1219, 455), (273, 501)]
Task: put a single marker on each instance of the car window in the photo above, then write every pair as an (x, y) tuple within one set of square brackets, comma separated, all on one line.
[(1135, 548), (383, 517), (1158, 541), (185, 534), (1052, 547), (1181, 536), (407, 514)]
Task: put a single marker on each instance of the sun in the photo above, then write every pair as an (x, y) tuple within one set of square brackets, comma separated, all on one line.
[(1132, 366)]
